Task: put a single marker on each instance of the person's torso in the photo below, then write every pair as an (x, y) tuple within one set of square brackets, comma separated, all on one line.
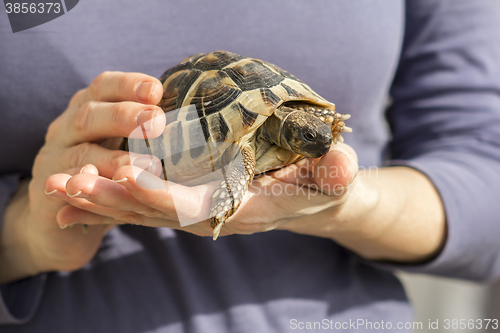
[(159, 280)]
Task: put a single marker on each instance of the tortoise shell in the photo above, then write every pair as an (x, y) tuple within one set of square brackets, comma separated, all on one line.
[(215, 100)]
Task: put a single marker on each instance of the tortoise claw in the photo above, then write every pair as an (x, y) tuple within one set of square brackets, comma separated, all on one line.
[(222, 210), (217, 229)]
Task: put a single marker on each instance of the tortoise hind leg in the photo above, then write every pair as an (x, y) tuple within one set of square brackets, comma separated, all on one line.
[(228, 196)]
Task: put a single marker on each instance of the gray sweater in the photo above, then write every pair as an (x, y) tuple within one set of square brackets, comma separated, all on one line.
[(439, 60)]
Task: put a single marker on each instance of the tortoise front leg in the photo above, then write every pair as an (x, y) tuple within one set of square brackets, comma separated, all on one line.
[(228, 196)]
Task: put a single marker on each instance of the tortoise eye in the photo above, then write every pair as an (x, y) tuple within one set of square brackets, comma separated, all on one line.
[(309, 136)]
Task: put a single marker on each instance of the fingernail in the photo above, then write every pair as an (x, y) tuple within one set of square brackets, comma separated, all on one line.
[(79, 194), (125, 183), (354, 168), (56, 193), (67, 225), (354, 174), (81, 170), (145, 120), (145, 91)]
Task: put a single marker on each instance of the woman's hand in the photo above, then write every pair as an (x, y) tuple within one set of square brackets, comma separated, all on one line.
[(303, 190), (380, 213), (114, 104), (300, 190)]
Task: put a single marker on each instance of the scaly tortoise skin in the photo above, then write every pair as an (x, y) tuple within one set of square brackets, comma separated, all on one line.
[(243, 115)]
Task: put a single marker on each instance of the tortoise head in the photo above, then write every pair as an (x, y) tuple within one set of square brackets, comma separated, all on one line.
[(306, 135)]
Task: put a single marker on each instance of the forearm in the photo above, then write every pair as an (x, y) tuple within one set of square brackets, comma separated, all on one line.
[(392, 214)]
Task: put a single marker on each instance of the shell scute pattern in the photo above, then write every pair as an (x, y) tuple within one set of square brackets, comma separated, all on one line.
[(280, 71), (215, 60), (176, 88), (250, 75), (214, 92)]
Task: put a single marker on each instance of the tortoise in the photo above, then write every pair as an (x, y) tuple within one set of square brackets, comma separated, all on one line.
[(241, 116)]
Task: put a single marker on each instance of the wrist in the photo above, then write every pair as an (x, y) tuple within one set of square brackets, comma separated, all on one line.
[(16, 260), (405, 222), (346, 218)]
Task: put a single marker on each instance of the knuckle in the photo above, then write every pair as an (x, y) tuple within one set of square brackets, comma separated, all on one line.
[(129, 217), (79, 155), (77, 97), (52, 130), (82, 118), (125, 84), (151, 212), (41, 160), (117, 115), (118, 158), (96, 84)]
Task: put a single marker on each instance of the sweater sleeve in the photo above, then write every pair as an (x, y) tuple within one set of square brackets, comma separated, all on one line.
[(445, 121), (19, 299)]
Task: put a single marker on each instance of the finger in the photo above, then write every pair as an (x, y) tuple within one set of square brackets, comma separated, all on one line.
[(79, 98), (107, 161), (191, 204), (94, 215), (269, 200), (94, 121), (60, 182), (86, 231), (106, 193), (70, 215), (120, 86), (99, 161), (245, 227), (88, 169), (336, 169), (55, 184)]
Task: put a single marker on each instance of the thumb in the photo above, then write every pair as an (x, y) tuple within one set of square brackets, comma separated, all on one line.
[(336, 169)]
